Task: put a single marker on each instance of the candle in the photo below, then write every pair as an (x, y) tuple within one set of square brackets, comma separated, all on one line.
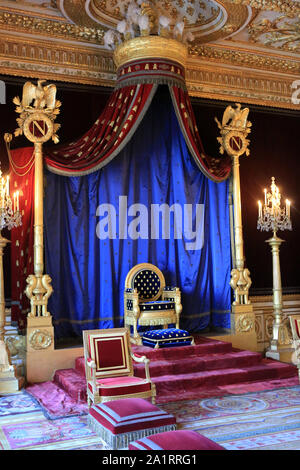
[(14, 202), (2, 191), (287, 208), (7, 186), (265, 196), (259, 209), (17, 201)]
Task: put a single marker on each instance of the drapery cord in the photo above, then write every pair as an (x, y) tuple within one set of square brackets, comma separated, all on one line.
[(14, 166)]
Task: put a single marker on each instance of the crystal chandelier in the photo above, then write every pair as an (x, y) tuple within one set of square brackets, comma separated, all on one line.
[(10, 215), (271, 216)]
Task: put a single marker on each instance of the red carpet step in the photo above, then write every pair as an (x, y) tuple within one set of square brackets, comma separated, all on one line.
[(209, 368)]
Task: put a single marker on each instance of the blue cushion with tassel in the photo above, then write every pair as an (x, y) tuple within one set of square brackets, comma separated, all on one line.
[(167, 338)]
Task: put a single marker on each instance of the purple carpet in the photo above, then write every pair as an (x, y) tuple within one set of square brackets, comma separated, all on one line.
[(55, 401)]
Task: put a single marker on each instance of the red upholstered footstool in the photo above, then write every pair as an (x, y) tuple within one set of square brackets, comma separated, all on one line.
[(175, 440), (119, 422)]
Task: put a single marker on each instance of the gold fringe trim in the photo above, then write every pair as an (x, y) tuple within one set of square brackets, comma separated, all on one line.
[(121, 441)]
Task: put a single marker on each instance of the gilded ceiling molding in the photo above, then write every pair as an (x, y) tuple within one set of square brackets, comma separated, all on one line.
[(238, 57), (282, 6), (55, 61), (281, 33), (227, 71), (47, 27), (221, 83), (76, 11), (237, 17), (95, 67)]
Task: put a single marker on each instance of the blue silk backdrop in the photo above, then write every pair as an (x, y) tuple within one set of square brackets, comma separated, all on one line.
[(88, 252)]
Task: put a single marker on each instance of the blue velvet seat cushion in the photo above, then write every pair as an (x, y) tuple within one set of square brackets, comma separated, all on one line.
[(167, 338), (157, 305)]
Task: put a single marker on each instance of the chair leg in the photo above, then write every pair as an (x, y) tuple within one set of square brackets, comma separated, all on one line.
[(153, 393), (136, 336)]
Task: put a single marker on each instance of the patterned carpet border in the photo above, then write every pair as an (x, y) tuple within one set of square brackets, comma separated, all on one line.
[(18, 403)]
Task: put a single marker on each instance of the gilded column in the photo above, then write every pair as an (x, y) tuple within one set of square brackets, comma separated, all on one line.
[(234, 130), (38, 212), (38, 110), (275, 243), (273, 217), (238, 228)]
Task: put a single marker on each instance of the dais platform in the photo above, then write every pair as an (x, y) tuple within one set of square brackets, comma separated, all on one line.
[(209, 368)]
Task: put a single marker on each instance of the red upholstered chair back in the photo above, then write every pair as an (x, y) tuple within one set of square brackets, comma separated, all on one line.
[(295, 326), (110, 349)]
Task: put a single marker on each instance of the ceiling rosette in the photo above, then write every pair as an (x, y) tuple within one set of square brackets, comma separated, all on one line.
[(207, 20)]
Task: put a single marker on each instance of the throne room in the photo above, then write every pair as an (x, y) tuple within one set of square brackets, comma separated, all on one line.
[(149, 220)]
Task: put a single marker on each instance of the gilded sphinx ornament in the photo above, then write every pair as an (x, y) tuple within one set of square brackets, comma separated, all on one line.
[(241, 282)]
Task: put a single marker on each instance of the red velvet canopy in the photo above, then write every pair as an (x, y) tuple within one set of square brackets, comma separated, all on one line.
[(136, 85)]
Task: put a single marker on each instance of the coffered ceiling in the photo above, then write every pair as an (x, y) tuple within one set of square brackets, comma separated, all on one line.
[(242, 50)]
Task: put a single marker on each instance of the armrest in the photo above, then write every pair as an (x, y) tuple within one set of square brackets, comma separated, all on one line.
[(143, 359), (91, 372), (91, 363), (131, 296), (138, 358), (171, 293), (131, 293)]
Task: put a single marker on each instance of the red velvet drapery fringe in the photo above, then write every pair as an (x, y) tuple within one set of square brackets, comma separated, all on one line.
[(217, 169), (107, 136)]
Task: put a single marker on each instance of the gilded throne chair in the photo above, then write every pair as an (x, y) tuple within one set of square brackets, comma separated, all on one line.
[(148, 301)]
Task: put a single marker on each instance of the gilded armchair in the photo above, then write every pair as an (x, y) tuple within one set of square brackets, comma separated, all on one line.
[(295, 327), (148, 301), (109, 367)]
